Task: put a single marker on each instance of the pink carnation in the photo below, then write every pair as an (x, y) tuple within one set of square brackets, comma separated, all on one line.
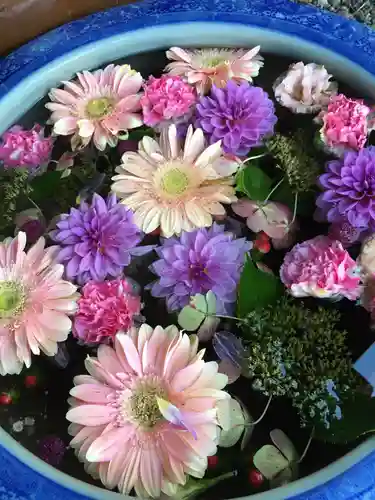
[(25, 148), (104, 309), (345, 124), (166, 98), (322, 268)]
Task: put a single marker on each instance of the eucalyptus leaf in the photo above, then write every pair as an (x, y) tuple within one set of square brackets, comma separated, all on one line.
[(190, 319), (284, 477), (257, 289), (253, 182), (284, 444), (270, 461), (358, 419), (232, 421)]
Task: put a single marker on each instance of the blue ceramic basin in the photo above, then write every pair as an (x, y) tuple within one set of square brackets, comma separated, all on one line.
[(345, 47)]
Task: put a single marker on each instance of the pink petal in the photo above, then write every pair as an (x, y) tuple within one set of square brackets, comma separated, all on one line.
[(130, 85), (244, 208), (106, 446), (187, 376), (131, 472), (179, 54), (91, 415), (130, 352), (92, 393), (65, 126), (151, 472), (108, 359), (86, 128)]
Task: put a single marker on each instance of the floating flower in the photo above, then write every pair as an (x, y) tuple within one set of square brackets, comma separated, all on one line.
[(25, 148), (99, 106), (345, 126), (118, 428), (199, 261), (166, 98), (104, 309), (349, 189), (206, 67), (97, 241), (176, 189), (239, 115), (305, 88), (34, 303), (272, 218), (321, 268), (52, 449)]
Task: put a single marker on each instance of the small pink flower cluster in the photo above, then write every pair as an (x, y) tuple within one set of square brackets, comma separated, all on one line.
[(104, 309), (344, 124), (166, 98), (25, 148), (320, 268)]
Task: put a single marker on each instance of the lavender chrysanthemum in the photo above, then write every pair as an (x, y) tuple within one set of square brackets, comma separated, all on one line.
[(199, 261), (349, 189), (239, 115), (96, 241)]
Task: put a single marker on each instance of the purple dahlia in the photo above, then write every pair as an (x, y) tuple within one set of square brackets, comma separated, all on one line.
[(199, 261), (349, 189), (239, 115), (96, 241)]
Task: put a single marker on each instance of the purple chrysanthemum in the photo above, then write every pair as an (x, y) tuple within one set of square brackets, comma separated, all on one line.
[(198, 261), (97, 240), (239, 115), (349, 189)]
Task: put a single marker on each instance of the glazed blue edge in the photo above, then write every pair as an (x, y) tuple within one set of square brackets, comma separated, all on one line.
[(24, 477)]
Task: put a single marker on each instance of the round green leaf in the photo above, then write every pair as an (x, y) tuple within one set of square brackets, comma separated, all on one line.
[(269, 461), (190, 319), (211, 302), (284, 444), (232, 421)]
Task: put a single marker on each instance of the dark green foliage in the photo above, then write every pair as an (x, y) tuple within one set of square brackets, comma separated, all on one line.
[(14, 188), (293, 155), (295, 352)]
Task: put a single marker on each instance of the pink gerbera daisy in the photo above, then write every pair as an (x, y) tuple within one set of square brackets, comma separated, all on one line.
[(176, 188), (206, 67), (123, 433), (99, 106), (34, 303)]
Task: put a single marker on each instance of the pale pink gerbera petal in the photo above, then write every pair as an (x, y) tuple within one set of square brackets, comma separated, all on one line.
[(34, 303), (206, 67), (119, 429), (97, 106), (176, 188)]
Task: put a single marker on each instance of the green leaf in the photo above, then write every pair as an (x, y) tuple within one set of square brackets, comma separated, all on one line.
[(232, 420), (306, 200), (138, 133), (46, 185), (253, 182), (190, 319), (284, 444), (269, 461), (358, 418), (257, 289)]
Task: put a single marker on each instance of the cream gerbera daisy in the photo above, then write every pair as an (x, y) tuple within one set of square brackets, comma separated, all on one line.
[(178, 189)]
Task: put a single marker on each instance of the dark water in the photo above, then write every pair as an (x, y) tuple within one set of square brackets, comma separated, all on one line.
[(46, 403)]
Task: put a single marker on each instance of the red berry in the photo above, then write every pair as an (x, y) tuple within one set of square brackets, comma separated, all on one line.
[(262, 236), (262, 246), (212, 461), (30, 381), (5, 399), (256, 478)]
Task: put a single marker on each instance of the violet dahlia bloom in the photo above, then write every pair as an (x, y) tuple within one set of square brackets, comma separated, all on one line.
[(199, 261), (97, 241), (239, 115), (349, 189)]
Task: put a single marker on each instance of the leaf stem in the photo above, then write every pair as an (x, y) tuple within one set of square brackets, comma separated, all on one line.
[(253, 158), (307, 446), (252, 424), (273, 190), (220, 316), (295, 209)]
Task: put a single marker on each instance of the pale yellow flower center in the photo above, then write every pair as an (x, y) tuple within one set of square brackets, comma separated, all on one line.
[(144, 406), (215, 61), (97, 108), (174, 182), (12, 299)]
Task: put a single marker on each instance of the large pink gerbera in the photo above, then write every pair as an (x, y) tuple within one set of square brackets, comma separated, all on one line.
[(98, 106), (206, 67), (119, 429), (176, 188), (34, 303)]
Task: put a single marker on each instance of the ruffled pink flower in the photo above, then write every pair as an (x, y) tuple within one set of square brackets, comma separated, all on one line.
[(206, 67), (104, 309), (25, 148), (272, 218), (345, 126), (120, 431), (321, 268), (305, 88), (99, 106), (34, 303), (166, 98)]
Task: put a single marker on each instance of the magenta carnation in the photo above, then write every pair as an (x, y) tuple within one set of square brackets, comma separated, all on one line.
[(166, 98), (104, 309), (321, 268), (25, 148), (344, 124)]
